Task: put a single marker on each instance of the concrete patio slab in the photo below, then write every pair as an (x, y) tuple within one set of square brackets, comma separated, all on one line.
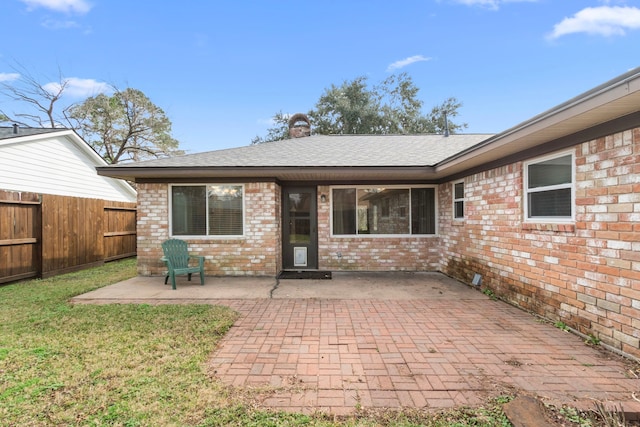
[(153, 289), (344, 285), (388, 340)]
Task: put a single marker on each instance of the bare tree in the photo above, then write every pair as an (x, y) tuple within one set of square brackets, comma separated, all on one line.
[(41, 103), (119, 127)]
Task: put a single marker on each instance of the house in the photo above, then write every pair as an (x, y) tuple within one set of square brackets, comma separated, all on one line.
[(55, 161), (546, 214), (56, 214)]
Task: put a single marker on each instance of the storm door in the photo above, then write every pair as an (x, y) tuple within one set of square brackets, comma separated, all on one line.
[(299, 228)]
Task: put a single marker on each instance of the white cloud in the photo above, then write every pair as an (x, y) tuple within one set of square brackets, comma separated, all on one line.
[(603, 20), (407, 61), (267, 122), (271, 120), (491, 4), (67, 6), (8, 77), (79, 88), (51, 24)]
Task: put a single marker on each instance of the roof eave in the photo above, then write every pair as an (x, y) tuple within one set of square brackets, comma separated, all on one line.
[(290, 173), (612, 100), (577, 120)]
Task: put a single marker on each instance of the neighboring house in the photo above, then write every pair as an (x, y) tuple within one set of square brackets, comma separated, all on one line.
[(55, 161), (56, 214), (547, 213)]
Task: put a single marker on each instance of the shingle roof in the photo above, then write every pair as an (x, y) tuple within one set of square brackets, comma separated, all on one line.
[(331, 151), (610, 107), (8, 132)]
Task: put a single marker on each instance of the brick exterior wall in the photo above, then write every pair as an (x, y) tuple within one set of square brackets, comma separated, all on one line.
[(586, 274), (259, 252), (152, 227), (255, 254), (372, 253)]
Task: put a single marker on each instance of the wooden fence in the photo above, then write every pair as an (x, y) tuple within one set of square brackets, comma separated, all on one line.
[(44, 235)]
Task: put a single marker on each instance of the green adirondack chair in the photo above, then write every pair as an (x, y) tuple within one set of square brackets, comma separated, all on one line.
[(176, 257)]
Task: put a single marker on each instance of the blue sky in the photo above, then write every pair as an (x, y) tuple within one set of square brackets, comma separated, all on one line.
[(222, 69)]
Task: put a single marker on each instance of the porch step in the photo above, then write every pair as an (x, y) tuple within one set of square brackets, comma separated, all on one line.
[(304, 274)]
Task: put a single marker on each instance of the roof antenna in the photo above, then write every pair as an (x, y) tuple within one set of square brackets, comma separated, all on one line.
[(446, 125)]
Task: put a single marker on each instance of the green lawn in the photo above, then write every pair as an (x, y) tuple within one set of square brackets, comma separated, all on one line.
[(138, 365)]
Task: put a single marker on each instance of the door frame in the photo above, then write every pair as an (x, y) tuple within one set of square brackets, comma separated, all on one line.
[(288, 262)]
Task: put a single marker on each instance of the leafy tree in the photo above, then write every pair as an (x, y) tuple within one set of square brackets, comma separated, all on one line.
[(280, 129), (348, 109), (402, 110), (124, 126), (392, 107)]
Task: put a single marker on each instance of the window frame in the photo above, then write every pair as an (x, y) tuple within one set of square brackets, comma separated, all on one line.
[(408, 187), (455, 200), (526, 191), (207, 236)]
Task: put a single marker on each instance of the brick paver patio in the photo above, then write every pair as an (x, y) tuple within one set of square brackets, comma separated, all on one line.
[(337, 355), (385, 341)]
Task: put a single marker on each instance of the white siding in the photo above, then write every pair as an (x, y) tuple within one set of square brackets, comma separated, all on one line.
[(54, 164)]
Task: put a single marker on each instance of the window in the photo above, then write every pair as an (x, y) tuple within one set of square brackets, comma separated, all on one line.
[(458, 200), (207, 210), (383, 211), (549, 188)]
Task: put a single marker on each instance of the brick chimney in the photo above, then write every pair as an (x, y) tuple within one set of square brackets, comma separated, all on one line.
[(299, 126)]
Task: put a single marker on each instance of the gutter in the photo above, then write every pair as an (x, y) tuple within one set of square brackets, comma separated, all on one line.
[(276, 172), (623, 80)]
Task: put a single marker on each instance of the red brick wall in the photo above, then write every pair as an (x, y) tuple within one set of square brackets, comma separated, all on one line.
[(152, 227), (372, 253), (255, 254), (586, 274)]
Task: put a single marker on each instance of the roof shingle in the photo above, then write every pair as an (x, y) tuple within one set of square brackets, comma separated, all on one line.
[(8, 132), (330, 151)]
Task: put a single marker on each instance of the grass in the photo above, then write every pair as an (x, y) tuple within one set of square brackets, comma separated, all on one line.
[(140, 365), (117, 364)]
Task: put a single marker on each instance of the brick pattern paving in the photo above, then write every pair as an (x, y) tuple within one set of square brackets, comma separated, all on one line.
[(335, 355)]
